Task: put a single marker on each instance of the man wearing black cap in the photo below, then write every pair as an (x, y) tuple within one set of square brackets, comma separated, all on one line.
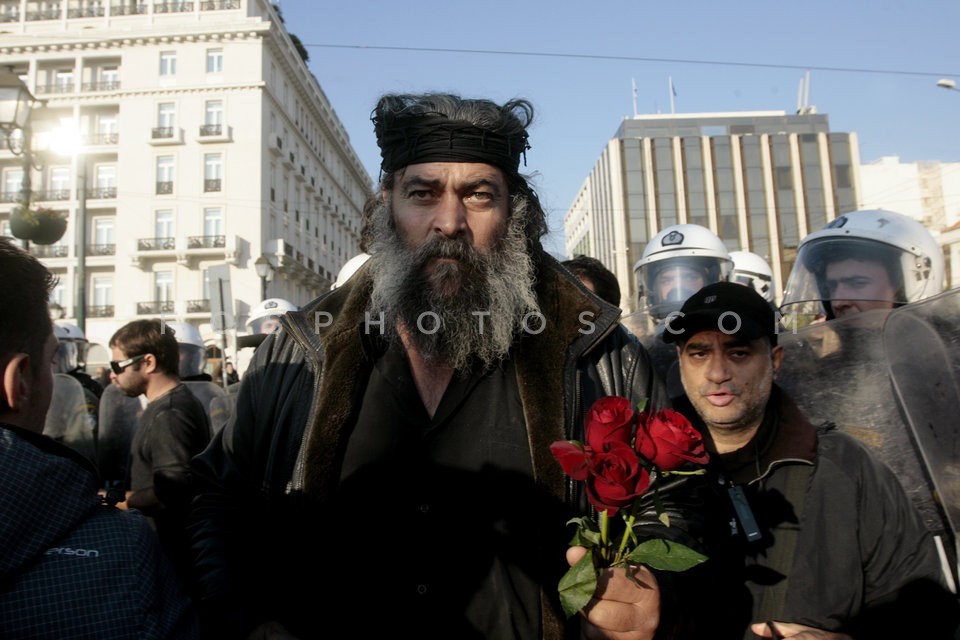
[(821, 533), (387, 472)]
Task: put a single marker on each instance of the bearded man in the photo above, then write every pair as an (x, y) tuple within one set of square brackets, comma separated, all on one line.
[(387, 471)]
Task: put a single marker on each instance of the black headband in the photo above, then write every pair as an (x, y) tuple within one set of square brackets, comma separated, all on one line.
[(413, 139)]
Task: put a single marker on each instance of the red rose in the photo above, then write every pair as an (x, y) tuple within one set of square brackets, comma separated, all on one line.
[(572, 457), (669, 441), (610, 419), (616, 477)]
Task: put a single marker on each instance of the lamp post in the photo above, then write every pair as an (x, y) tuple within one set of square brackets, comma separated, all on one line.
[(264, 269), (16, 103)]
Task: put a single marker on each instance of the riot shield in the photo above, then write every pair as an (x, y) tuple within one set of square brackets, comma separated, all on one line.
[(119, 419), (206, 393), (67, 419), (842, 371), (922, 341)]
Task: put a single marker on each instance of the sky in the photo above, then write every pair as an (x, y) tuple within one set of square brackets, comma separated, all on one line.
[(873, 67)]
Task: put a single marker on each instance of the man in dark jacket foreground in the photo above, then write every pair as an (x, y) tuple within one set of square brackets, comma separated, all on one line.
[(70, 567), (388, 468), (816, 535)]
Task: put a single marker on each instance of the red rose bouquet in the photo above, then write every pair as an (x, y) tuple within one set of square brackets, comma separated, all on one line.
[(626, 456)]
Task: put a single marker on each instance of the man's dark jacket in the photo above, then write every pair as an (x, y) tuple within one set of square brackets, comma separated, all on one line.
[(283, 448)]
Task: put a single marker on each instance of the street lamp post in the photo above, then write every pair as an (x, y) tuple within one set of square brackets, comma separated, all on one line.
[(81, 302), (264, 269), (947, 83)]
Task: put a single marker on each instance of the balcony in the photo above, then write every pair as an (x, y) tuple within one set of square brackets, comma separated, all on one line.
[(49, 250), (101, 85), (213, 133), (53, 13), (198, 306), (101, 250), (154, 307), (59, 87), (156, 244), (212, 184), (101, 139), (102, 193), (289, 161), (166, 135), (172, 7), (164, 188), (206, 242), (219, 5), (85, 12), (52, 195), (9, 196), (100, 311), (128, 9)]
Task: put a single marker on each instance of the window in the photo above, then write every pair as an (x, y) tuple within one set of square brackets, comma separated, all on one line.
[(106, 181), (59, 183), (103, 231), (168, 63), (212, 171), (212, 118), (163, 223), (63, 81), (57, 295), (109, 79), (214, 60), (164, 174), (107, 129), (12, 181), (212, 221), (102, 291), (163, 286), (166, 111)]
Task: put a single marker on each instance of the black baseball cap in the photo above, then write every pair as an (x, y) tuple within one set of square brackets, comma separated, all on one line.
[(729, 307)]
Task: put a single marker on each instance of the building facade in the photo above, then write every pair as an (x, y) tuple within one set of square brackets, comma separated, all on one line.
[(927, 191), (759, 180), (201, 141)]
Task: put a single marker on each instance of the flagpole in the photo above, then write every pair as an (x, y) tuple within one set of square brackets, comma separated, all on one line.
[(672, 94), (633, 82)]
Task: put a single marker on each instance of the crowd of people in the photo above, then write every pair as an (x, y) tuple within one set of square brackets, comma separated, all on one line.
[(388, 448)]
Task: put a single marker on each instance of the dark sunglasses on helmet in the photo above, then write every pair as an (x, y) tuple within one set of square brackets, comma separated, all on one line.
[(117, 366)]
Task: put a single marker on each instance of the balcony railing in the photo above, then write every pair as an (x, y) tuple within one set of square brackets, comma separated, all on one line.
[(214, 5), (172, 7), (206, 242), (101, 85), (156, 244), (9, 196), (50, 250), (52, 13), (102, 193), (211, 129), (59, 87), (102, 138), (164, 188), (212, 184), (101, 250), (162, 133), (100, 311), (154, 307), (128, 9), (198, 306), (85, 12), (52, 195)]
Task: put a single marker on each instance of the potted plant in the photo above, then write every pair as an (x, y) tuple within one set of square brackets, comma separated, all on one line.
[(40, 224)]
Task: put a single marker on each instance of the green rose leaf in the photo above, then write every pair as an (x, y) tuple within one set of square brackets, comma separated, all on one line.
[(665, 555), (578, 585)]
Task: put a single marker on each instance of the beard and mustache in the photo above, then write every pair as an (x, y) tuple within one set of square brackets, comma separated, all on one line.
[(454, 304)]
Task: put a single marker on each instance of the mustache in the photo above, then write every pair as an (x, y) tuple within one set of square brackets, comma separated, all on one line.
[(443, 247)]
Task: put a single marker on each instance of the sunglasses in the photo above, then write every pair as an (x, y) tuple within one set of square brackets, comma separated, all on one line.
[(117, 366)]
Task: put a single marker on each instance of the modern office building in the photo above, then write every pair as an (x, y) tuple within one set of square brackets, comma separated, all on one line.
[(759, 180), (202, 143)]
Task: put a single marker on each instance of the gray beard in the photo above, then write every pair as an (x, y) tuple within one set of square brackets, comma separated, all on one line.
[(472, 309)]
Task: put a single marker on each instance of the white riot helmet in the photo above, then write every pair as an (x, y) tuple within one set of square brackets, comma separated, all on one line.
[(263, 317), (752, 270), (911, 256), (350, 268), (675, 264), (193, 353), (72, 352)]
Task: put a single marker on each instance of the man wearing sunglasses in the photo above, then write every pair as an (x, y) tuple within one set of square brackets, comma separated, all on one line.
[(174, 427), (70, 565)]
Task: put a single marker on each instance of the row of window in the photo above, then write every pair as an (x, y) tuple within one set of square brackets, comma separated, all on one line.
[(168, 62)]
